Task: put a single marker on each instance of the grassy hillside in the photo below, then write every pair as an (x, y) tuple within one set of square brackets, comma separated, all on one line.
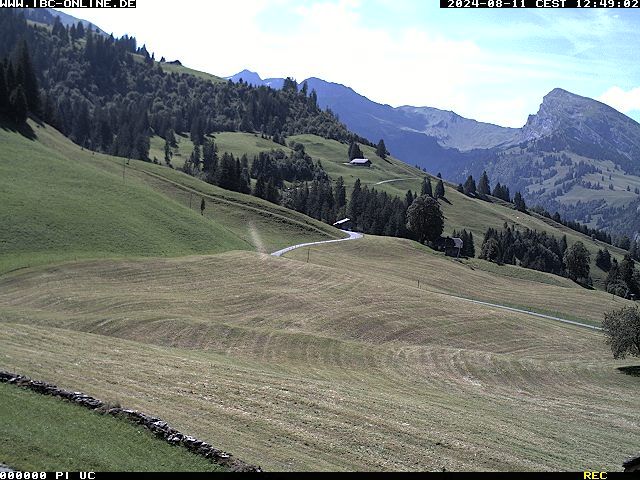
[(341, 363), (460, 211), (180, 69), (59, 208), (46, 434), (65, 203)]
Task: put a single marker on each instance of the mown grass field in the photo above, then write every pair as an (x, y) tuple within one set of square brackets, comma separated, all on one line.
[(46, 434), (328, 366)]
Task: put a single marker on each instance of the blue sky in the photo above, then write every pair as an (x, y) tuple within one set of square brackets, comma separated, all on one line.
[(491, 65)]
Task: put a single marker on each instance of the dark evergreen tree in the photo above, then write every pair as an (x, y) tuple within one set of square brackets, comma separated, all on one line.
[(603, 260), (518, 201), (469, 187), (168, 153), (18, 107), (576, 260), (440, 192), (260, 188), (341, 195), (426, 187), (27, 77), (381, 150), (483, 185), (4, 93), (354, 151), (409, 198), (209, 156)]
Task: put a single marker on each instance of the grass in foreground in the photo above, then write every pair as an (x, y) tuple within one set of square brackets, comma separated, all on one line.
[(41, 433), (298, 366)]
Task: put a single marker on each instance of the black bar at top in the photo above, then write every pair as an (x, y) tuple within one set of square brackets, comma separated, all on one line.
[(67, 3), (583, 4)]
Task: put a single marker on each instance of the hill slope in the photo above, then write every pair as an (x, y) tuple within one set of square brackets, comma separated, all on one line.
[(84, 440), (65, 203), (395, 178), (361, 371)]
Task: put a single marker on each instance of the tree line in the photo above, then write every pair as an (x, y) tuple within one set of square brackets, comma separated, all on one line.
[(623, 279), (537, 251), (110, 95), (19, 91)]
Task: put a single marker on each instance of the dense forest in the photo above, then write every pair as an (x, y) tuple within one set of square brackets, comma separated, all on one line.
[(110, 95)]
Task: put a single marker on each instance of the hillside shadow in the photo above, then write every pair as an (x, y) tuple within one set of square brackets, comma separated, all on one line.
[(634, 371), (25, 129)]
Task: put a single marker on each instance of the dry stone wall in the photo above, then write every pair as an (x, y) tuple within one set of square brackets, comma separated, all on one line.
[(160, 428)]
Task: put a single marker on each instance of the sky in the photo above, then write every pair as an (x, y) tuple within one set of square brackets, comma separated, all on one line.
[(490, 65)]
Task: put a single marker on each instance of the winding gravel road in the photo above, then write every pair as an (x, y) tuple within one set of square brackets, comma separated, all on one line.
[(356, 236), (352, 236), (396, 180)]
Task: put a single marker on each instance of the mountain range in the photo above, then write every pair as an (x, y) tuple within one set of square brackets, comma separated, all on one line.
[(576, 155)]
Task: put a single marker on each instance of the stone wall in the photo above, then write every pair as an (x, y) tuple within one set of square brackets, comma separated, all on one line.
[(157, 426)]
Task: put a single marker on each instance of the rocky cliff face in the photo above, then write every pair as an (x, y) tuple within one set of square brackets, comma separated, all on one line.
[(586, 126)]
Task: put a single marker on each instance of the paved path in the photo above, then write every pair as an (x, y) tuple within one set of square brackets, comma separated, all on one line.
[(396, 180), (518, 310), (356, 236), (352, 236)]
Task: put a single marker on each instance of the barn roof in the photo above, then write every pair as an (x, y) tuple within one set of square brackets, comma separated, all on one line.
[(360, 161), (342, 222), (458, 243)]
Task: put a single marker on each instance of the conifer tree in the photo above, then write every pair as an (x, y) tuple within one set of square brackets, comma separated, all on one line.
[(341, 194), (4, 93), (483, 185), (440, 193), (168, 154), (518, 201), (354, 151), (426, 187), (18, 107), (381, 149), (260, 189), (469, 186)]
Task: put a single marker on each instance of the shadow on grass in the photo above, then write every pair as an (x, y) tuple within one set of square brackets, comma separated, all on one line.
[(633, 371), (24, 129)]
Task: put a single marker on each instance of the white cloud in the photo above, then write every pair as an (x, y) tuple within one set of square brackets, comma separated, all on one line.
[(331, 39), (621, 100)]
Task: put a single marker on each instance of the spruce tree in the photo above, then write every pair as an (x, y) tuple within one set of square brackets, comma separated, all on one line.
[(409, 198), (381, 149), (18, 107), (341, 194), (354, 151), (4, 93), (260, 189), (29, 80), (483, 185), (518, 201), (469, 186), (440, 193), (168, 154), (426, 187)]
